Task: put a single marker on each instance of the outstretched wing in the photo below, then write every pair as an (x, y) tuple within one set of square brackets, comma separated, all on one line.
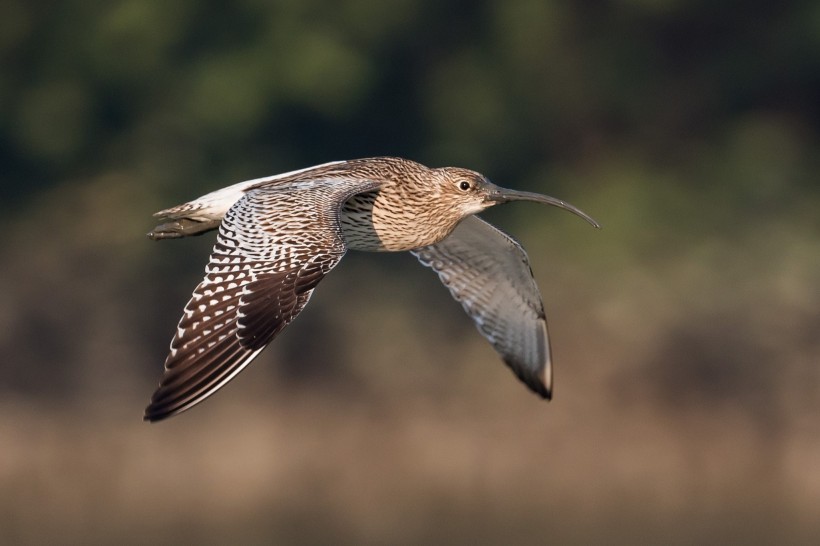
[(274, 246), (489, 273)]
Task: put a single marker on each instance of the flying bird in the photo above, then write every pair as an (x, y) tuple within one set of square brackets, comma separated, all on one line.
[(279, 236)]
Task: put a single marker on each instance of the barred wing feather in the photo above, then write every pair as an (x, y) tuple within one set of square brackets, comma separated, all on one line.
[(488, 272), (273, 247)]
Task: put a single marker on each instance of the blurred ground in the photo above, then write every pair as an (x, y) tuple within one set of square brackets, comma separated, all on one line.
[(685, 332)]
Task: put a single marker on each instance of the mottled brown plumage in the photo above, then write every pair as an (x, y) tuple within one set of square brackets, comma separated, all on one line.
[(279, 236)]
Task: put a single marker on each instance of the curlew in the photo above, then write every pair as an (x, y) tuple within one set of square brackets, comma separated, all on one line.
[(279, 236)]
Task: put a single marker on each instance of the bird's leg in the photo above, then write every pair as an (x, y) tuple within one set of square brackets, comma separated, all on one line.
[(182, 227)]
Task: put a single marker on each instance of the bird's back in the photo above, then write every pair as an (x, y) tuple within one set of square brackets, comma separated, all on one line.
[(399, 215)]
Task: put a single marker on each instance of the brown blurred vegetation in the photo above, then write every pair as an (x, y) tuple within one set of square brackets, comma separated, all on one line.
[(685, 332)]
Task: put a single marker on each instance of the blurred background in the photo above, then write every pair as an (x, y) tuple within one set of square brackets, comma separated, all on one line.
[(686, 333)]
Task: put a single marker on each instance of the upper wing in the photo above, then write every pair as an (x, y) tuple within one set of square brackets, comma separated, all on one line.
[(274, 246), (489, 273)]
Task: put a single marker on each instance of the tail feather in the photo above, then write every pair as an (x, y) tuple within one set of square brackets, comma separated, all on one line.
[(205, 213), (184, 227)]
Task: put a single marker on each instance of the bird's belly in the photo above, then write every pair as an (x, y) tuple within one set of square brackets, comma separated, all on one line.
[(371, 225), (361, 233)]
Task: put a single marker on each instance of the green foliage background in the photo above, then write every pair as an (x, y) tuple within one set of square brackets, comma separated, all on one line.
[(685, 332)]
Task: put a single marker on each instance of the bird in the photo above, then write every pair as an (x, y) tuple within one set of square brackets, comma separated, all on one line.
[(278, 236)]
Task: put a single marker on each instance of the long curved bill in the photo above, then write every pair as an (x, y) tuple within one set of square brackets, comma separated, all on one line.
[(503, 195)]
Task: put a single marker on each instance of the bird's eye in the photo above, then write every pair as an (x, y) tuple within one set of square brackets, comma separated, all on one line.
[(464, 185)]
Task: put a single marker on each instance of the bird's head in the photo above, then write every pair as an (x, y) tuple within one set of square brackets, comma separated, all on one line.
[(473, 192)]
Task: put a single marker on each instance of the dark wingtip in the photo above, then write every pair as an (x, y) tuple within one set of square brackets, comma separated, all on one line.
[(547, 395), (156, 412), (150, 416), (160, 408), (541, 390), (535, 382)]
